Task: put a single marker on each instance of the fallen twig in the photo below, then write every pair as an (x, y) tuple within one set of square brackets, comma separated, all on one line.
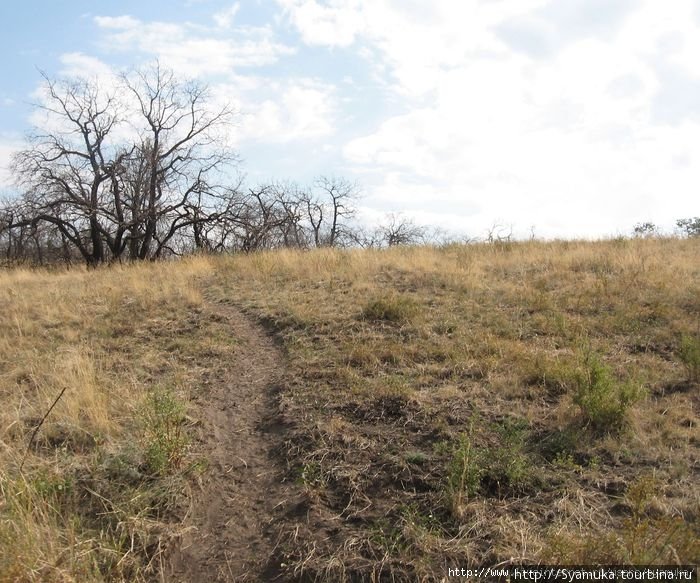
[(36, 429)]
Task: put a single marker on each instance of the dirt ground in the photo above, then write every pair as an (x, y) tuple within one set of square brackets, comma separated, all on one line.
[(229, 530)]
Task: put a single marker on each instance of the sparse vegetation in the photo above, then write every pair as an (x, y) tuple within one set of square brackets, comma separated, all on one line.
[(603, 400), (464, 473), (100, 488), (529, 385), (499, 469), (690, 355), (163, 419), (508, 466), (643, 539), (468, 404), (397, 309)]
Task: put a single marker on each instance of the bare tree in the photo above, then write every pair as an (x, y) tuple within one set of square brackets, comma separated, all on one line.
[(181, 154), (142, 170), (65, 171), (339, 196), (400, 230), (314, 213), (106, 193), (499, 233), (258, 218), (291, 201), (285, 215)]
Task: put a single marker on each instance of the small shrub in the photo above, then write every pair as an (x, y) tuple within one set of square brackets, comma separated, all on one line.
[(311, 475), (464, 472), (165, 439), (387, 537), (603, 401), (507, 465), (650, 541), (416, 457), (488, 470), (395, 309), (566, 461), (640, 493), (560, 444), (689, 354), (640, 540)]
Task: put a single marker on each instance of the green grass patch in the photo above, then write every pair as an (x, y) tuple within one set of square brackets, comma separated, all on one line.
[(603, 400), (689, 353), (165, 438), (397, 309)]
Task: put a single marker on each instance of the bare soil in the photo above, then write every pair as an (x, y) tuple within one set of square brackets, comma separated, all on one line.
[(229, 532)]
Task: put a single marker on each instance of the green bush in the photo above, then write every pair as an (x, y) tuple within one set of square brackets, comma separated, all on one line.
[(689, 354), (507, 464), (479, 469), (603, 401), (560, 444)]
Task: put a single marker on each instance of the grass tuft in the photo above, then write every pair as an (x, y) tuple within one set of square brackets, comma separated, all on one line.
[(395, 309), (166, 441)]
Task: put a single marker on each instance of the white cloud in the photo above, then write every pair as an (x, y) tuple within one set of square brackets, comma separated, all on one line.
[(582, 125), (224, 18), (542, 32), (81, 65), (281, 111), (272, 109), (192, 50), (416, 40), (117, 22), (333, 25)]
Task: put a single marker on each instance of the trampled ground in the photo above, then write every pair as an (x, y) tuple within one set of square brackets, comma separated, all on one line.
[(229, 535)]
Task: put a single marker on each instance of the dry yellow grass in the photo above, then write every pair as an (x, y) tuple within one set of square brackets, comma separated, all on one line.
[(564, 355), (84, 332), (437, 398)]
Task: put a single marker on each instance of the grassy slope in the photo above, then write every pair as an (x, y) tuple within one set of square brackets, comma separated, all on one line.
[(99, 486), (470, 404), (483, 404)]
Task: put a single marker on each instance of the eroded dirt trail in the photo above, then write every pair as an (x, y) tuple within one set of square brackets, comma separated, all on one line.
[(229, 534)]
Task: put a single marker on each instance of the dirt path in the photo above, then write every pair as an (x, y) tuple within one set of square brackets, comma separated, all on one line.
[(229, 530)]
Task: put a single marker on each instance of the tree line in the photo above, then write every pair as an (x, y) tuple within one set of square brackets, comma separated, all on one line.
[(142, 170)]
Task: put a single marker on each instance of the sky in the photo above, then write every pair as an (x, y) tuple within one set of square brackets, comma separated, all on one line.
[(562, 118)]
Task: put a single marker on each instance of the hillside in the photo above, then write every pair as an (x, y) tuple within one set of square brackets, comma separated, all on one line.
[(421, 408)]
